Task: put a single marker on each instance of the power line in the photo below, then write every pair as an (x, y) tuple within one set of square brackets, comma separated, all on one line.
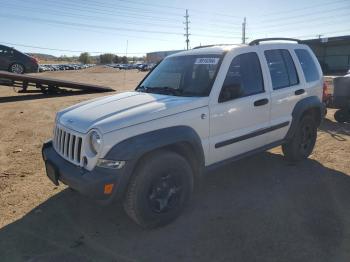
[(90, 17), (300, 15), (179, 8), (313, 6), (65, 50), (87, 25), (150, 4), (99, 27), (194, 28), (224, 21), (83, 16), (138, 10), (303, 21), (142, 17), (106, 12), (217, 25), (324, 33), (107, 8), (217, 36), (214, 14)]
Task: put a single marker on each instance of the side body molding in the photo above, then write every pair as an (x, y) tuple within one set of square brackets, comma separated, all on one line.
[(312, 102), (134, 147)]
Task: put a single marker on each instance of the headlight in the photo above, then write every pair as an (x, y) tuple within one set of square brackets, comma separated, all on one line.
[(95, 141)]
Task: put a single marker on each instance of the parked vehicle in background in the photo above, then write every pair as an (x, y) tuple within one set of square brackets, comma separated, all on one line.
[(143, 67), (196, 110), (61, 67), (341, 99), (17, 62)]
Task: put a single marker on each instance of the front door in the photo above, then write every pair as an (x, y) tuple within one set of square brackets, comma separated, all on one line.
[(241, 116)]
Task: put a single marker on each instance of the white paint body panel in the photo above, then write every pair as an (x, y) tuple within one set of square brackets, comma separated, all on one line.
[(125, 115)]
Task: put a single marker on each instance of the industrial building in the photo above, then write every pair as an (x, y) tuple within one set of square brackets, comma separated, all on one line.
[(155, 57), (333, 53)]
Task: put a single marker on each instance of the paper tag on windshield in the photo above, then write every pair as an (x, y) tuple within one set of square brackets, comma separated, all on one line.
[(207, 61)]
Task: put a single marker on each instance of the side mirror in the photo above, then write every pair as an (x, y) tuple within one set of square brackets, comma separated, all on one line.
[(230, 91)]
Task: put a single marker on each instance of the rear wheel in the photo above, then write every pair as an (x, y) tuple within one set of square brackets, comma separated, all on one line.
[(303, 142), (342, 115), (17, 68), (159, 190)]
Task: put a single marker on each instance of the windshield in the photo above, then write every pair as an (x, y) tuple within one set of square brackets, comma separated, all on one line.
[(183, 76)]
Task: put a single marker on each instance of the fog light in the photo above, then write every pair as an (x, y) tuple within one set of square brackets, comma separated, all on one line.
[(113, 164)]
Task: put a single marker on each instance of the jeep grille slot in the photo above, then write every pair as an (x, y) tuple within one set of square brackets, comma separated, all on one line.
[(68, 144)]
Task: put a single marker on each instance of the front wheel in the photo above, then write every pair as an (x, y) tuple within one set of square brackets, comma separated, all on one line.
[(17, 68), (303, 142), (159, 190)]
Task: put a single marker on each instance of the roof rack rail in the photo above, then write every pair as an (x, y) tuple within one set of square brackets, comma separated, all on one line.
[(204, 46), (257, 41)]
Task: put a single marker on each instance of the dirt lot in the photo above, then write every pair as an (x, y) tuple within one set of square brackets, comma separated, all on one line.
[(257, 209)]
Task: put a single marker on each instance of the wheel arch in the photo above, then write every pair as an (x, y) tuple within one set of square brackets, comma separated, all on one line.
[(183, 140), (309, 105)]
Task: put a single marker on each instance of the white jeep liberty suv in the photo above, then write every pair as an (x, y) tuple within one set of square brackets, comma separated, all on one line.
[(195, 110)]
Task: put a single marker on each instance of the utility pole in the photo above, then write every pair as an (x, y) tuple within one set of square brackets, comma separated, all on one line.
[(244, 24), (187, 22)]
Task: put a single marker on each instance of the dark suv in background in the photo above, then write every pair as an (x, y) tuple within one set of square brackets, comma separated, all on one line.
[(16, 62)]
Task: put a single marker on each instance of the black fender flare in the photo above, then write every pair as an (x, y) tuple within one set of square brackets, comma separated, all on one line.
[(312, 102), (135, 147)]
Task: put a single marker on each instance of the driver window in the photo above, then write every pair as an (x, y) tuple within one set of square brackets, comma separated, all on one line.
[(244, 78)]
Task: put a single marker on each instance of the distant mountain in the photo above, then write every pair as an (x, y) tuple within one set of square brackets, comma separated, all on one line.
[(42, 56)]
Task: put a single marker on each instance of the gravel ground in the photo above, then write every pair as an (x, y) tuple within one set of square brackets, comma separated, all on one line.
[(258, 209)]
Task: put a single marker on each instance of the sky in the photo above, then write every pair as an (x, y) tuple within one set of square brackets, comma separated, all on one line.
[(135, 27)]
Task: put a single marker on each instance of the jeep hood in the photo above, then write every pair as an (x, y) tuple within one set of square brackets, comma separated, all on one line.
[(125, 109)]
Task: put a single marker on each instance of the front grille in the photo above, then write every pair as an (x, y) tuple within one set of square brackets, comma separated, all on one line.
[(68, 144)]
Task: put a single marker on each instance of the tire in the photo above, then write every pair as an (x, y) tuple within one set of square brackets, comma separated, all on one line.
[(303, 142), (342, 116), (16, 68), (159, 189)]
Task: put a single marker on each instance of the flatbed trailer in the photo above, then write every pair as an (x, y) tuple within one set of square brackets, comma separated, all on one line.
[(48, 85)]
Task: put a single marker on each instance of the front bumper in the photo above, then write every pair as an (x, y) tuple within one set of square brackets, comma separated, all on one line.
[(88, 183)]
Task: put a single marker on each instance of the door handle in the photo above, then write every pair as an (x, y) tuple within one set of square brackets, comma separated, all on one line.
[(299, 92), (261, 102)]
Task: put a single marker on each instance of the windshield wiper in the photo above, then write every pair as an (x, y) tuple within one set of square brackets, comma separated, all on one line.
[(160, 90)]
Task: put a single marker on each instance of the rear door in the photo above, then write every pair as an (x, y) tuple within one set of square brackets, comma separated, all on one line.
[(237, 122), (311, 71), (287, 89)]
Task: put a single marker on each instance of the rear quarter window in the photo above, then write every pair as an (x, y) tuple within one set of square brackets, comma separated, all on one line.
[(308, 65)]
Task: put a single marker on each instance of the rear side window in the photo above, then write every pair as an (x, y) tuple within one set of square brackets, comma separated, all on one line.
[(245, 71), (308, 65), (282, 68)]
